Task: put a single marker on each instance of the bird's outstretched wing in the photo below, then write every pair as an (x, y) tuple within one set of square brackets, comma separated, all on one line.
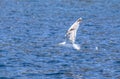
[(71, 33)]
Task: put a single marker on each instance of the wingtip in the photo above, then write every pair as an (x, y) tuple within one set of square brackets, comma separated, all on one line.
[(62, 43), (80, 19)]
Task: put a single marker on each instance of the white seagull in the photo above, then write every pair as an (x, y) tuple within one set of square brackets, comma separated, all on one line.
[(71, 35)]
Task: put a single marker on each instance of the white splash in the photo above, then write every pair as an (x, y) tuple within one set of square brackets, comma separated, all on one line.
[(96, 48), (71, 35)]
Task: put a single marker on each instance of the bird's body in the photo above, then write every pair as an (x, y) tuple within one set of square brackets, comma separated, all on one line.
[(71, 34)]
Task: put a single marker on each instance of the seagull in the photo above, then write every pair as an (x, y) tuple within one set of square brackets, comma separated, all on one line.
[(70, 36)]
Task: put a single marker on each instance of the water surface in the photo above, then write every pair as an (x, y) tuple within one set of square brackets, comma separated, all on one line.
[(31, 29)]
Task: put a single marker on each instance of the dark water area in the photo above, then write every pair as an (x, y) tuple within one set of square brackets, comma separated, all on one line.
[(31, 29)]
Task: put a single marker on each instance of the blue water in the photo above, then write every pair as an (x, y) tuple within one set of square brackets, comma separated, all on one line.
[(31, 29)]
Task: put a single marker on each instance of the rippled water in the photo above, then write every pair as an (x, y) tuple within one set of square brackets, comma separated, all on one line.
[(31, 29)]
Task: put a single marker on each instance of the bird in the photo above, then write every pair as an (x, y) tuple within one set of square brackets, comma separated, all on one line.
[(70, 36)]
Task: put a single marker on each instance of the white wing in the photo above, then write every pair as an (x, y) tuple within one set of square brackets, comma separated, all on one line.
[(71, 33)]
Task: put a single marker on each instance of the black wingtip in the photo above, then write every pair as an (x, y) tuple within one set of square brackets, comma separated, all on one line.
[(80, 19)]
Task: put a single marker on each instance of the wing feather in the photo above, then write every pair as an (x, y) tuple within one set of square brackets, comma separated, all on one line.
[(71, 33)]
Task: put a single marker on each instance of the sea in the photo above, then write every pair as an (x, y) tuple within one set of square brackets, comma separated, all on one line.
[(30, 31)]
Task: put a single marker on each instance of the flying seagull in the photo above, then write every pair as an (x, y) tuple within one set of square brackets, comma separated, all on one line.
[(70, 36)]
